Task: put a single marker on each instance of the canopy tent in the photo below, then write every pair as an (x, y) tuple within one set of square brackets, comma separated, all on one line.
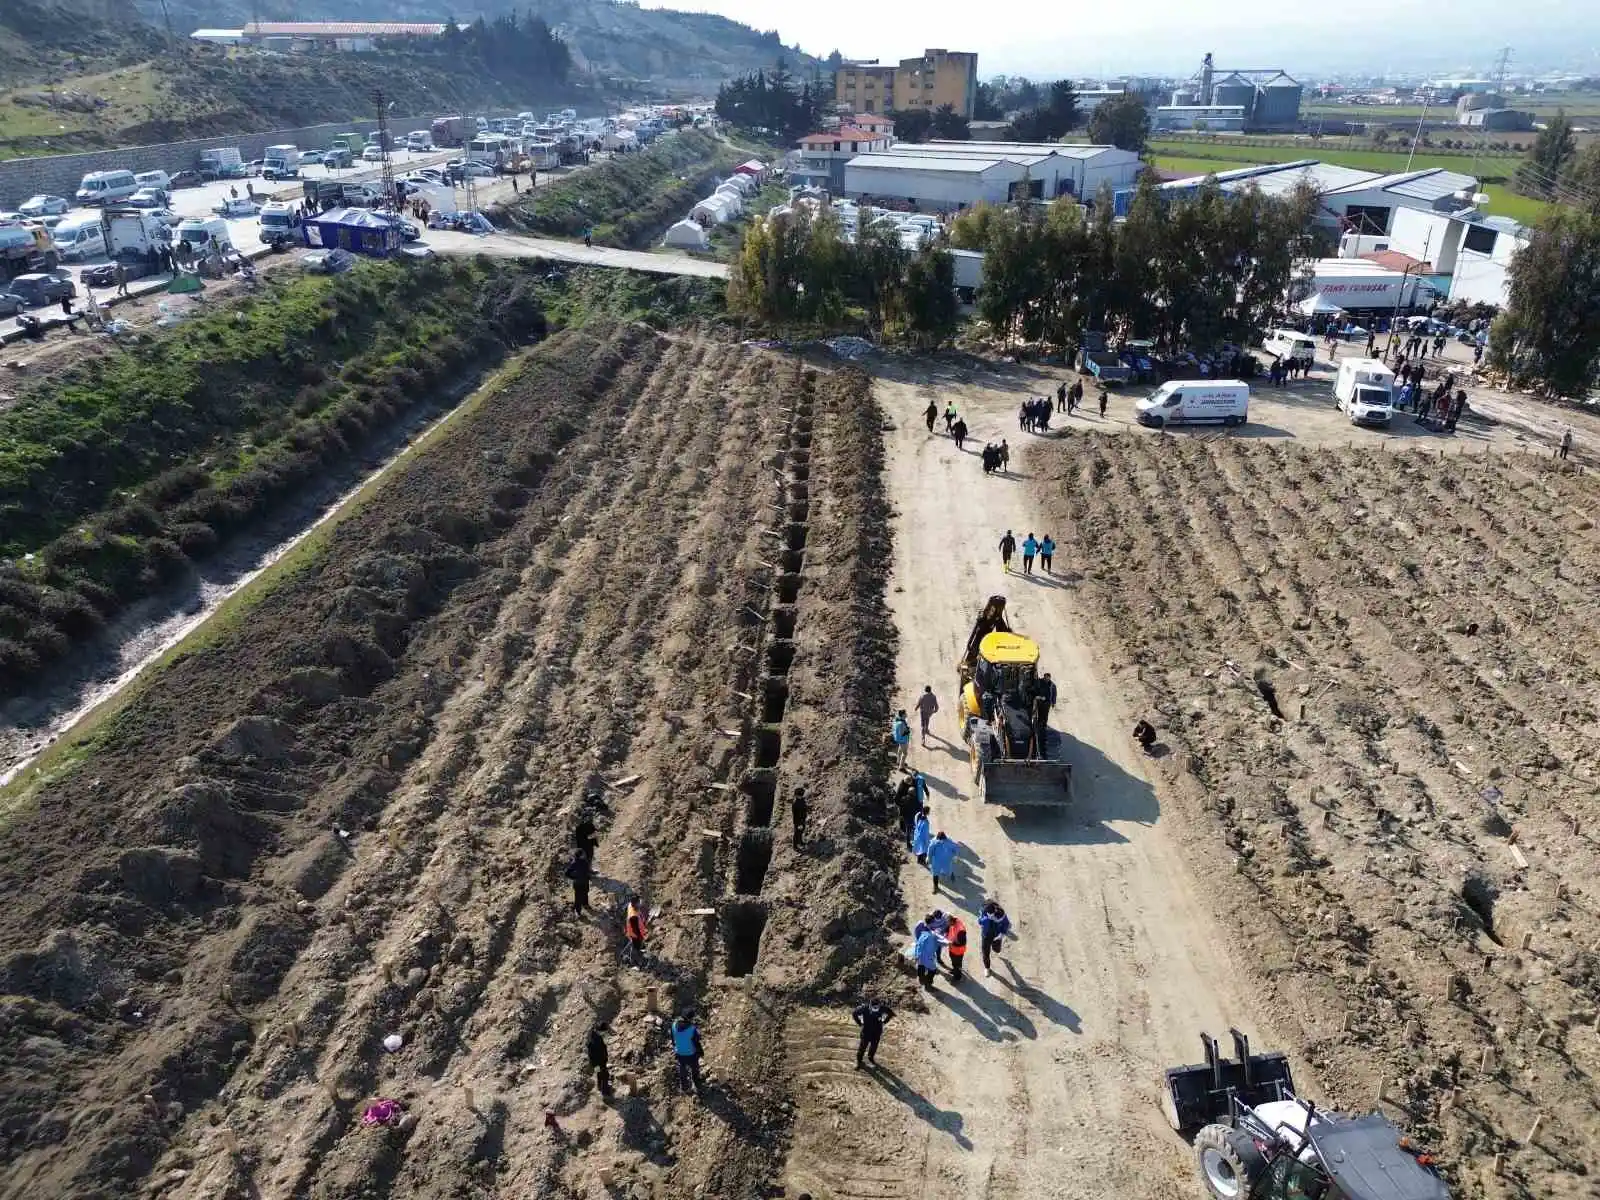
[(359, 230)]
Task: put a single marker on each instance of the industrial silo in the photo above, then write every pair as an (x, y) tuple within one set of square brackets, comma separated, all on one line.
[(1277, 103), (1235, 90), (1184, 99)]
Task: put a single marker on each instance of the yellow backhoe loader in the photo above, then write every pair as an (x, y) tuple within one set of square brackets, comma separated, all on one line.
[(1004, 707)]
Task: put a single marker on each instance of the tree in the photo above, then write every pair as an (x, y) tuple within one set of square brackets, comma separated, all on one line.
[(912, 125), (1580, 184), (950, 125), (1054, 117), (971, 229), (924, 303), (986, 104), (1380, 134), (772, 101), (1552, 152), (1550, 331), (1122, 121)]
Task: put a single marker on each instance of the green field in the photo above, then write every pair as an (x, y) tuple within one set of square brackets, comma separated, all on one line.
[(1577, 104), (1189, 157)]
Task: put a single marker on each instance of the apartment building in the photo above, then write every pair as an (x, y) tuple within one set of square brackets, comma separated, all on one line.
[(932, 79)]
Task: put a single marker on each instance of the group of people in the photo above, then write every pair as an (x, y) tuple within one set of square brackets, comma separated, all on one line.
[(996, 457), (1034, 415), (953, 424), (940, 933), (687, 1047), (1285, 369), (1070, 399), (1032, 548)]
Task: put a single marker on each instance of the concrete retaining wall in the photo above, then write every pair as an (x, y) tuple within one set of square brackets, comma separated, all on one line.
[(60, 174)]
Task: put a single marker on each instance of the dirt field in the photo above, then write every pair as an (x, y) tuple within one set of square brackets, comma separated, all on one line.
[(348, 817), (1338, 877)]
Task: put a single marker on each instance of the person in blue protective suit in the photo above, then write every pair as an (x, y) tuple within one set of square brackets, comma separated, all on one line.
[(941, 858), (921, 837), (926, 952), (993, 928)]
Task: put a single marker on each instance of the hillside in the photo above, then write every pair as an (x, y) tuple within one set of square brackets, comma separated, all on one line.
[(682, 51)]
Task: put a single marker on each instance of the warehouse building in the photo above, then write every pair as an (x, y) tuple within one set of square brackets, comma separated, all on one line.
[(1351, 200), (352, 36), (1471, 253), (1037, 170)]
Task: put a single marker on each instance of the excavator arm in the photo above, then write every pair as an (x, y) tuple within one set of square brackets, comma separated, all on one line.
[(991, 620)]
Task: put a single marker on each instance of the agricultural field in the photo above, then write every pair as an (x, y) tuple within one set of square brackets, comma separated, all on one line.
[(1372, 670), (646, 567), (1186, 156)]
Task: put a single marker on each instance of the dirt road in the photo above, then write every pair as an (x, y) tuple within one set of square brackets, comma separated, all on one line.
[(1044, 1077)]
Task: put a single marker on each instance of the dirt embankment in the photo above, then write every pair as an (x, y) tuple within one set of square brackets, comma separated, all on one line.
[(1371, 674), (347, 817)]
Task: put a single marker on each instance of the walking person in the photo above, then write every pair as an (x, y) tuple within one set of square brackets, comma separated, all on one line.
[(1566, 443), (927, 705), (1030, 548), (931, 414), (957, 935), (634, 929), (1477, 354), (941, 859), (595, 1048), (122, 280), (993, 928), (1456, 407), (1005, 456), (871, 1017), (799, 813), (922, 837), (909, 802), (1047, 551), (1061, 398), (1072, 401), (900, 731), (1104, 397), (1008, 547), (926, 952), (959, 432), (949, 416), (580, 871), (688, 1049)]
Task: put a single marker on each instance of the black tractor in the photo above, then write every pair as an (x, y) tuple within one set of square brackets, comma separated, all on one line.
[(1255, 1140)]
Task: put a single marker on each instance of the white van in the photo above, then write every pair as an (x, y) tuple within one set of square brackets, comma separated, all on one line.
[(106, 187), (1189, 401), (79, 236), (1291, 345), (202, 234), (1365, 391), (420, 139), (159, 180)]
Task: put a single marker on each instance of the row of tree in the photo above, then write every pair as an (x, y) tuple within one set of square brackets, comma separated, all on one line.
[(512, 46), (1189, 272), (798, 269), (1555, 169), (1549, 334), (774, 101)]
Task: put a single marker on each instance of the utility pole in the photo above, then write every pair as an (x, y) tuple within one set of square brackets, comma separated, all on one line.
[(172, 43), (468, 132), (1500, 66), (382, 104)]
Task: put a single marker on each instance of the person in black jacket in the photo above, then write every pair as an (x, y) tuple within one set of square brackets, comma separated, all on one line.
[(579, 870), (595, 1048), (871, 1017), (800, 811)]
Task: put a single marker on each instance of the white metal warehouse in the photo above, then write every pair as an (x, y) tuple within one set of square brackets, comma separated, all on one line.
[(929, 174)]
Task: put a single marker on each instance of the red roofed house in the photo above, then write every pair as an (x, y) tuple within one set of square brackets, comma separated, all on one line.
[(823, 155)]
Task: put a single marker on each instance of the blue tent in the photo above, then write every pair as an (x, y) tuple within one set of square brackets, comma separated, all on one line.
[(359, 230)]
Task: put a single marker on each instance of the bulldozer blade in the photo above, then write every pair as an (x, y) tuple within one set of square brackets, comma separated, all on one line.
[(1022, 783)]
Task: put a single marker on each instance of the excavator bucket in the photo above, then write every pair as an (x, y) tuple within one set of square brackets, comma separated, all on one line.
[(1020, 783)]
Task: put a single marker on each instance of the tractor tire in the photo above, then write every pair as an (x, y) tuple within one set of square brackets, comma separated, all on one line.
[(1230, 1166)]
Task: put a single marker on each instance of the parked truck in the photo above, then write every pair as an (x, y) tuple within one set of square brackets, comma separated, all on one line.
[(221, 162), (133, 233), (451, 131), (1103, 363), (281, 162), (1361, 285), (26, 250)]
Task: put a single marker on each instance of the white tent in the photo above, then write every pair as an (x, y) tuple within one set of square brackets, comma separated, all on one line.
[(1316, 306), (743, 183), (733, 196), (713, 210), (686, 235)]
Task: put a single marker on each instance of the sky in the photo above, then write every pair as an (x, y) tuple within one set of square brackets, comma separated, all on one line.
[(1049, 39)]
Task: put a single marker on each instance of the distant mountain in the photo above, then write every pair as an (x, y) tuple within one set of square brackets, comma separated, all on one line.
[(681, 50)]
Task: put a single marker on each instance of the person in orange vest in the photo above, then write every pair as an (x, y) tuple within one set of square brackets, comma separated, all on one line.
[(957, 936), (634, 930)]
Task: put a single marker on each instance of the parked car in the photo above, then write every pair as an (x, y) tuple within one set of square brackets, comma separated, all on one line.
[(237, 206), (460, 168), (105, 274), (166, 216), (147, 198), (311, 158), (336, 159), (12, 218), (372, 153), (254, 166), (187, 178), (10, 304), (38, 290), (44, 206)]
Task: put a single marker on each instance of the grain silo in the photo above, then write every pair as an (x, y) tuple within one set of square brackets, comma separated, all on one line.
[(1277, 103), (1235, 89)]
